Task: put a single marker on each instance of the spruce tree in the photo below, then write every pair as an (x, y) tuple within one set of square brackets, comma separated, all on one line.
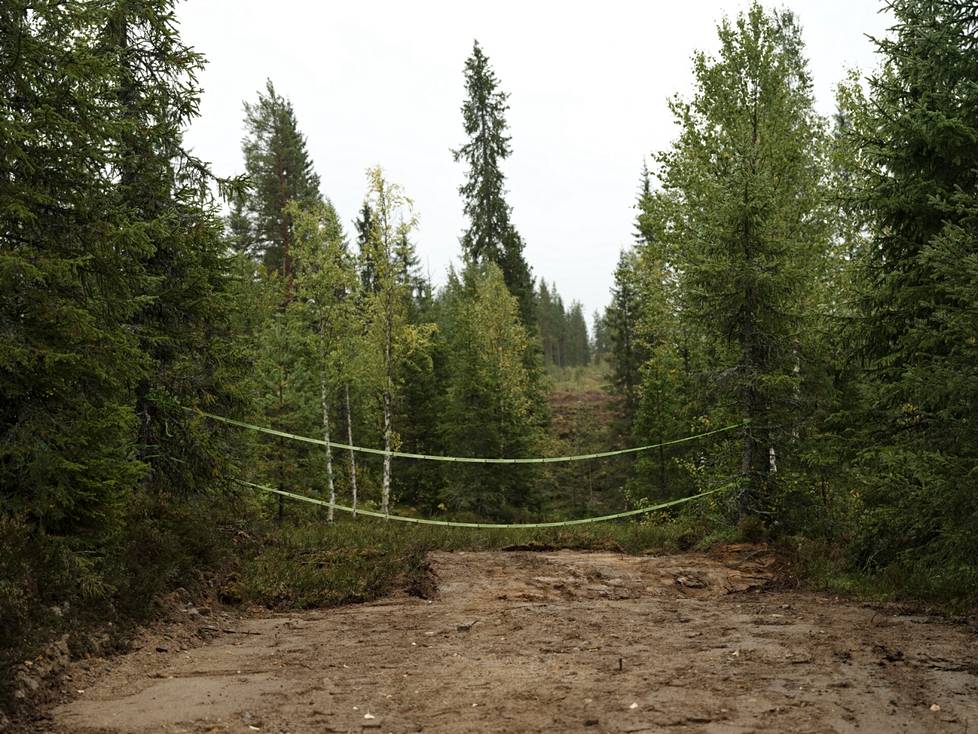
[(490, 235), (546, 324), (625, 354), (558, 322), (178, 252), (115, 276), (745, 176), (363, 225), (917, 138), (69, 363), (489, 406), (666, 383), (579, 346), (646, 201), (599, 341)]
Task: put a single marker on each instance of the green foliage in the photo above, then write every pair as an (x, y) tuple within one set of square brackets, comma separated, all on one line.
[(393, 341), (313, 565), (843, 330), (48, 588), (747, 230), (279, 171), (563, 332), (115, 310), (625, 354), (66, 417), (490, 236), (908, 144), (301, 316), (114, 284), (488, 407)]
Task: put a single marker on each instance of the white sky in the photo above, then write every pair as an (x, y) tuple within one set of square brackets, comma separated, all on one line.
[(381, 82)]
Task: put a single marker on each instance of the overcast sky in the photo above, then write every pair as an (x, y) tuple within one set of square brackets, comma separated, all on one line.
[(381, 82)]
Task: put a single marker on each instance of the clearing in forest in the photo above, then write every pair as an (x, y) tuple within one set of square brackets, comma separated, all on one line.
[(552, 642)]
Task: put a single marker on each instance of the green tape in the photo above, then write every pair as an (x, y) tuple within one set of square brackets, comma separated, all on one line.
[(458, 459), (510, 526)]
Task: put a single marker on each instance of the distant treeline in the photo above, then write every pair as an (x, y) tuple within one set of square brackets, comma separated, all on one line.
[(563, 332)]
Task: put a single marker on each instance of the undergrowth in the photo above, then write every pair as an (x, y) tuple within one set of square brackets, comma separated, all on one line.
[(312, 564), (943, 588), (95, 593)]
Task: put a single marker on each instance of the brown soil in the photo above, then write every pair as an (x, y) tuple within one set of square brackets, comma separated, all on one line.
[(556, 642), (570, 408)]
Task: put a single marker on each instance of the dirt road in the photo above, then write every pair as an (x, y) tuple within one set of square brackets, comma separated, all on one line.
[(557, 642)]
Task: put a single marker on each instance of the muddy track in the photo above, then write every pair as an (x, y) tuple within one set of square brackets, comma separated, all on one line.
[(557, 642)]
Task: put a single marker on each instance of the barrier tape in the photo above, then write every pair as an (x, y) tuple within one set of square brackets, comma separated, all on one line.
[(507, 526), (458, 459)]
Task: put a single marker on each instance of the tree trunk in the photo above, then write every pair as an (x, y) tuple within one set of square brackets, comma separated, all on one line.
[(386, 489), (329, 451), (281, 451), (749, 478), (662, 437), (353, 454), (388, 408)]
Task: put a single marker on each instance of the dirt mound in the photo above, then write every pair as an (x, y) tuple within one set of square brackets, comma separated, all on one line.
[(557, 641)]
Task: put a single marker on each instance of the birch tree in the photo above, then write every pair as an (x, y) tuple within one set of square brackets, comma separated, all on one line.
[(393, 337), (322, 311)]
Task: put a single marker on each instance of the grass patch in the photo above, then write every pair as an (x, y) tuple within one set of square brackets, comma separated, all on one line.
[(944, 589), (311, 564), (586, 378), (314, 565)]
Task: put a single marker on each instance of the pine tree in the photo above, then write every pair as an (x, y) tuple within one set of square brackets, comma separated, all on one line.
[(490, 236), (746, 175), (280, 171), (917, 138), (282, 183)]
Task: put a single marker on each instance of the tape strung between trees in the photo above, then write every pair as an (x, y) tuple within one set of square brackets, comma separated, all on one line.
[(483, 525), (458, 459)]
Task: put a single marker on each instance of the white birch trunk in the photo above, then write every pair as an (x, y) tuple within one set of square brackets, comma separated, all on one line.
[(353, 454), (388, 407), (329, 451)]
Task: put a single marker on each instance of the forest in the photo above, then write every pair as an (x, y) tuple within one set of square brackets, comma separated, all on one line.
[(811, 281)]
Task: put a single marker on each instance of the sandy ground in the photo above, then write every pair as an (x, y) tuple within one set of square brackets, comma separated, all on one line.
[(556, 642)]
